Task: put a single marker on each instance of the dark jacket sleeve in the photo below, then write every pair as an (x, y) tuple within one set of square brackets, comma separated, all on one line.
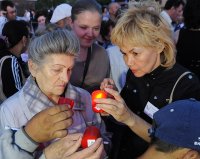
[(11, 77)]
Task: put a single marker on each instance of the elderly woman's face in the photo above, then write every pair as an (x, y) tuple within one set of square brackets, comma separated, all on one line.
[(54, 74), (141, 60), (87, 27)]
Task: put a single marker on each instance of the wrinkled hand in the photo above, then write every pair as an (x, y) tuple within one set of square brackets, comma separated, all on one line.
[(63, 147), (115, 107), (108, 83), (49, 124), (66, 148)]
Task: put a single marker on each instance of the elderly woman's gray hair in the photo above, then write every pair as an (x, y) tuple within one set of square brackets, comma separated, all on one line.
[(56, 42)]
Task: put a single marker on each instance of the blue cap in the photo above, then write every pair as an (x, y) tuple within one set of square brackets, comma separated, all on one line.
[(178, 124)]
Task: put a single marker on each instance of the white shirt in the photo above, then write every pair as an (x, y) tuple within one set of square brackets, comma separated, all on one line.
[(167, 18), (3, 20), (118, 67)]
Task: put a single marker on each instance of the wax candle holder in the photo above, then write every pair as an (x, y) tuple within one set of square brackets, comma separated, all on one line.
[(91, 134), (68, 101)]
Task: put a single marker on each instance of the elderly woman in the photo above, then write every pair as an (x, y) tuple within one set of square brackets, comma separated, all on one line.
[(154, 79), (51, 59)]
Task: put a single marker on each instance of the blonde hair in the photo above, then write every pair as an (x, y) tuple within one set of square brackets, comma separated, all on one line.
[(141, 27)]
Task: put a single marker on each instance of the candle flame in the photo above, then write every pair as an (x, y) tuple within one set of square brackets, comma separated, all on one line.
[(99, 95)]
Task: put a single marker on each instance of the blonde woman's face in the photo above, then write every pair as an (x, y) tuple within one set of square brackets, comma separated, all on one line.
[(87, 27), (54, 74), (141, 60)]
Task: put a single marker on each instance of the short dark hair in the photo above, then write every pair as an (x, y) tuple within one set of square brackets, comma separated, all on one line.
[(85, 5), (173, 3), (5, 4), (162, 146), (14, 30), (41, 13), (105, 28), (191, 14)]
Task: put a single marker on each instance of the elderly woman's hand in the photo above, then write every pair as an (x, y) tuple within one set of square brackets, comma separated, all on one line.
[(116, 107), (108, 83), (49, 124), (66, 148)]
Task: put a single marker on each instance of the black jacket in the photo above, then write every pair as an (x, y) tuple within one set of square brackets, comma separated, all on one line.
[(155, 88)]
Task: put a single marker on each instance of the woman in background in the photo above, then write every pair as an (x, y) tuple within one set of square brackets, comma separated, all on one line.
[(92, 63)]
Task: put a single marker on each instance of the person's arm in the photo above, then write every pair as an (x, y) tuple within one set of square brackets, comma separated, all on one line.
[(3, 20), (49, 124), (11, 77), (9, 147), (118, 109)]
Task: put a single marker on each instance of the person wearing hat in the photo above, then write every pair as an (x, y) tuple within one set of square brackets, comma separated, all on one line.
[(175, 133), (62, 15)]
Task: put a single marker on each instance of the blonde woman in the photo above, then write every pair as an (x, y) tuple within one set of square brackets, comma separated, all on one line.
[(147, 47)]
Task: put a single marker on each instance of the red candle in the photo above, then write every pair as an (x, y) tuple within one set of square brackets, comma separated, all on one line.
[(90, 135), (68, 101), (97, 94)]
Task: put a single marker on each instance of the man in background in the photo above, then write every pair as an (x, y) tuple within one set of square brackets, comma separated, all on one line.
[(173, 12), (8, 12)]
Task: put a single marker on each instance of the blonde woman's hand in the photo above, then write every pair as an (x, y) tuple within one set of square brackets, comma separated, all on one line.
[(116, 107), (108, 83)]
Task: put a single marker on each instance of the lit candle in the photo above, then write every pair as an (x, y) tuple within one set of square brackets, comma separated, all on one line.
[(90, 135), (68, 101), (97, 94)]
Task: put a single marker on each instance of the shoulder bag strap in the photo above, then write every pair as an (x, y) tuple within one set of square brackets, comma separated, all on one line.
[(172, 92), (87, 62), (2, 95)]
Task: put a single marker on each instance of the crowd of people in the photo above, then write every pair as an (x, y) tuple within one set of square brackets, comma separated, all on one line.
[(142, 56)]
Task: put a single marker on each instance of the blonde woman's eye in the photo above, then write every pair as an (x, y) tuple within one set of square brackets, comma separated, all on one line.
[(123, 53), (135, 53)]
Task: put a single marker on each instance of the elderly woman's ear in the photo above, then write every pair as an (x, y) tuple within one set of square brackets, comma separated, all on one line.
[(32, 67)]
